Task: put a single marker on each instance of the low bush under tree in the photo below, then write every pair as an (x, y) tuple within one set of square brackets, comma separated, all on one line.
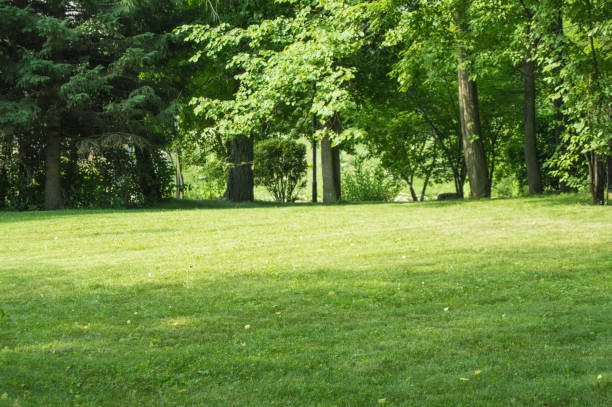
[(280, 166)]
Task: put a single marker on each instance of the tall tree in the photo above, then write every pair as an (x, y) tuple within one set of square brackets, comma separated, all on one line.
[(581, 77), (287, 68)]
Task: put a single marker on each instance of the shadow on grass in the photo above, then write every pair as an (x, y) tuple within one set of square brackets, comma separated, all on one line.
[(261, 339)]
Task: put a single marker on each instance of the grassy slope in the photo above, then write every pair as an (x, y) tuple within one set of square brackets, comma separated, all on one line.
[(346, 305)]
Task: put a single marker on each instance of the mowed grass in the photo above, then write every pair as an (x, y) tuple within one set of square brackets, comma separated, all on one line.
[(502, 302)]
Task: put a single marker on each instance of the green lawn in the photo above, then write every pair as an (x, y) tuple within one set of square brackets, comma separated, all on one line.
[(502, 302)]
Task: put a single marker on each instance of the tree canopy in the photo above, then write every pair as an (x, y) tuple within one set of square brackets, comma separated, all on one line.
[(99, 99)]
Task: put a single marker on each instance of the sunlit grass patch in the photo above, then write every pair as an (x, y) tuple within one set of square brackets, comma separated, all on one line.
[(218, 304)]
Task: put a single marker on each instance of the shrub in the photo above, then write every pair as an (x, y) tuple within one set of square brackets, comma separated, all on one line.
[(207, 181), (280, 166), (368, 183)]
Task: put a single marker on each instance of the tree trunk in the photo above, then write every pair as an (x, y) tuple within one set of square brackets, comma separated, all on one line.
[(609, 173), (240, 179), (534, 178), (473, 147), (4, 184), (413, 194), (336, 168), (330, 170), (179, 192), (53, 187), (598, 177), (427, 175)]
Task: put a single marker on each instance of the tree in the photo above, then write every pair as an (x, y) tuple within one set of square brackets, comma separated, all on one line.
[(579, 70), (75, 81), (287, 68)]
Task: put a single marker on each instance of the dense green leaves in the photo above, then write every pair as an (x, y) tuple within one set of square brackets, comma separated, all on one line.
[(192, 76)]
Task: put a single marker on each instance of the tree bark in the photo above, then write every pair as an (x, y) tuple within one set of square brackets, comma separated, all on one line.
[(330, 170), (609, 173), (534, 177), (427, 175), (240, 179), (598, 176), (336, 168), (179, 192), (53, 187), (473, 147)]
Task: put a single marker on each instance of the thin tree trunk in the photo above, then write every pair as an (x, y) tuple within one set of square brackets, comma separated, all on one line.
[(240, 179), (608, 174), (599, 181), (53, 187), (425, 183), (412, 191), (427, 175), (534, 178), (336, 168), (473, 147), (179, 180)]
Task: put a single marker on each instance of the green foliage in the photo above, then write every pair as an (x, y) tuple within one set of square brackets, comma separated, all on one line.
[(280, 166), (207, 180), (286, 68), (368, 181), (577, 65), (92, 71), (110, 180), (86, 72)]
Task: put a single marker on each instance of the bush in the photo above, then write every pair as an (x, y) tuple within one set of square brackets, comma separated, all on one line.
[(280, 166), (111, 179), (368, 183), (207, 181)]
